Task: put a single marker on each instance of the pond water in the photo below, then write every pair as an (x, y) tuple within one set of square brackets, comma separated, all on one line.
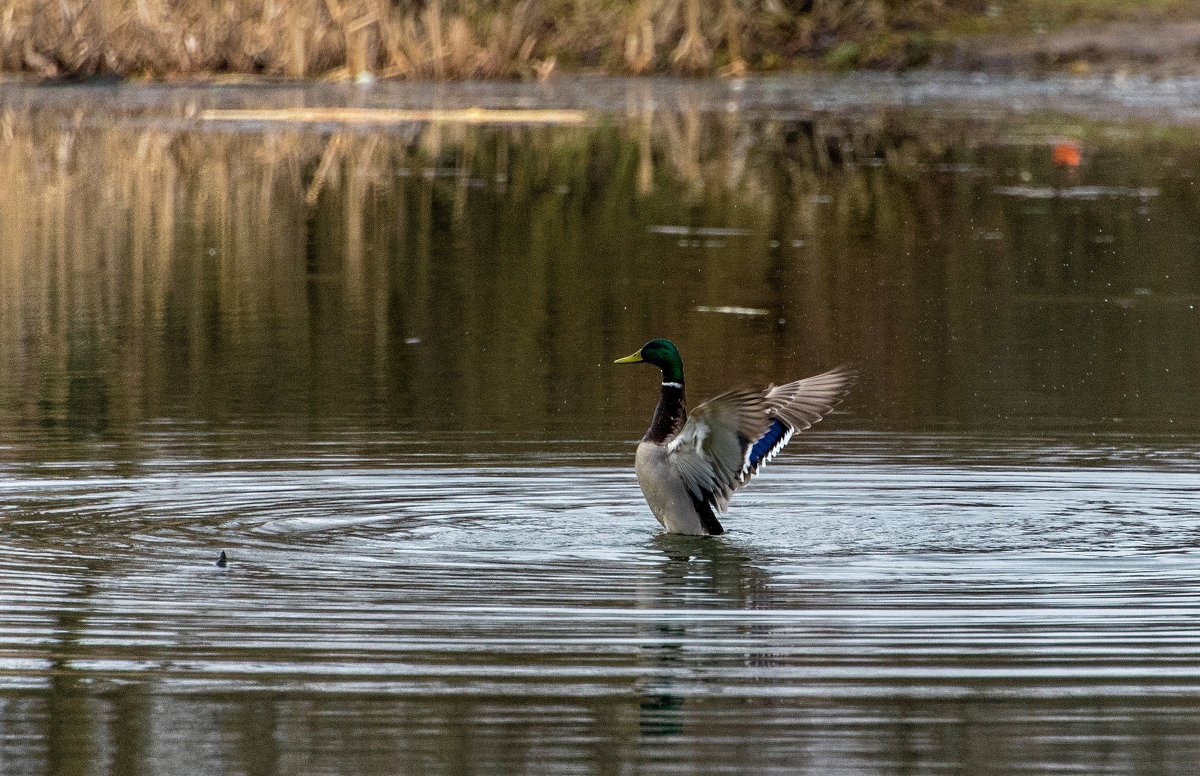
[(371, 363)]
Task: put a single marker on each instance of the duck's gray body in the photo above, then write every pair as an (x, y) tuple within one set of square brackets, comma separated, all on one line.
[(665, 492), (690, 466)]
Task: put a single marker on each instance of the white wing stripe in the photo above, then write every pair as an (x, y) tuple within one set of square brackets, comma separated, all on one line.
[(748, 471), (711, 454)]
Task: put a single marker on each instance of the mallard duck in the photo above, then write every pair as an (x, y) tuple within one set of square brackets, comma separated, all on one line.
[(690, 466)]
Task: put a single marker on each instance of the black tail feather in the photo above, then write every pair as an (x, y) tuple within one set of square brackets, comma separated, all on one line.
[(708, 519)]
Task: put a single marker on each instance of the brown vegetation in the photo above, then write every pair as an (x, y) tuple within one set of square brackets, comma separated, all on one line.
[(451, 38)]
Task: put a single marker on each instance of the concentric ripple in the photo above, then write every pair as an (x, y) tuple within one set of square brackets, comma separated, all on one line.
[(875, 607)]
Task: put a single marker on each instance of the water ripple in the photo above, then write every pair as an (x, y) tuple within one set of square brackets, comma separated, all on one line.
[(849, 581)]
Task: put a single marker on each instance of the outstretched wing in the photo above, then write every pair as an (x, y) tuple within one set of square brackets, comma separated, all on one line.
[(727, 439)]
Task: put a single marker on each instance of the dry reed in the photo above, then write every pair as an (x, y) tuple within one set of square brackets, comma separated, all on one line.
[(441, 39)]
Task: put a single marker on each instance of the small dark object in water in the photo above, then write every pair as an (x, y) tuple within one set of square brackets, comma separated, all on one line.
[(222, 561)]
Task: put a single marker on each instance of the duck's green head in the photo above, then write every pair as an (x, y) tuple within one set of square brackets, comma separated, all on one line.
[(663, 355)]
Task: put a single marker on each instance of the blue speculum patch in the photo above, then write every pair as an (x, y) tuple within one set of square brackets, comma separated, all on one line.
[(766, 442)]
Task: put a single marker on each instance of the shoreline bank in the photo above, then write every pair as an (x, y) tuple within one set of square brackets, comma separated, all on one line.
[(446, 40)]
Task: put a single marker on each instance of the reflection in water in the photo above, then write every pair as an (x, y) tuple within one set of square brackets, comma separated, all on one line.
[(720, 572), (467, 277), (935, 602), (374, 367), (698, 572), (661, 710), (68, 744)]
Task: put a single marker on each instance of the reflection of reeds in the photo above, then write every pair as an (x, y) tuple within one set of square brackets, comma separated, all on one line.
[(218, 267), (472, 275), (410, 39)]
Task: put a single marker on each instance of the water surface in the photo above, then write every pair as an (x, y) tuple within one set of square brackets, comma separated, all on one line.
[(372, 364)]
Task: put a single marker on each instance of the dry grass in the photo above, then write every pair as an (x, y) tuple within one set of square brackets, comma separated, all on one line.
[(429, 38)]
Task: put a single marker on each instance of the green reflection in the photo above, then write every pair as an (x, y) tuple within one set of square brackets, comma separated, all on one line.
[(696, 572), (465, 278)]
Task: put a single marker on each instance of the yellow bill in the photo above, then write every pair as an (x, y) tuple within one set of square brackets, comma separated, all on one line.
[(636, 358)]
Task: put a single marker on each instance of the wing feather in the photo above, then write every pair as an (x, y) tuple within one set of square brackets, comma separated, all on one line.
[(718, 450)]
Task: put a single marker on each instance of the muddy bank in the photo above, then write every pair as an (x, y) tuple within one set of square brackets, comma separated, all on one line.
[(1164, 49)]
